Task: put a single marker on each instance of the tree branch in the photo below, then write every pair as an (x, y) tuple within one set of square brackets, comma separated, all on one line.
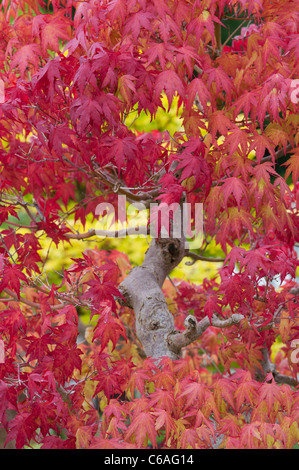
[(15, 298), (178, 340), (196, 257), (268, 366), (107, 233), (280, 153)]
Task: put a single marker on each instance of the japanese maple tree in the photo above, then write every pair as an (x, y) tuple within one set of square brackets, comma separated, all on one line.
[(163, 362)]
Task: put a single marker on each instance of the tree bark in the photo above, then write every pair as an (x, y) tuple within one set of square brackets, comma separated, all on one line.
[(142, 290)]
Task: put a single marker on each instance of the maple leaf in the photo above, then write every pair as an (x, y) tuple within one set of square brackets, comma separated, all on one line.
[(234, 186), (171, 83), (124, 151), (66, 360), (110, 331), (52, 229), (230, 425), (59, 138), (11, 278), (256, 260), (224, 390), (142, 428), (235, 255), (83, 437), (39, 347), (163, 399), (93, 111), (164, 421), (277, 134), (221, 79), (189, 439), (250, 436), (270, 392), (65, 146), (5, 212), (193, 164), (100, 290), (212, 306), (8, 401), (107, 383), (233, 223), (48, 78), (219, 123), (127, 88), (187, 55), (247, 103), (293, 166), (164, 378), (12, 320), (236, 138), (53, 442), (137, 381), (194, 392), (51, 28), (192, 121), (246, 392), (138, 20), (259, 144), (26, 57), (198, 88), (21, 429)]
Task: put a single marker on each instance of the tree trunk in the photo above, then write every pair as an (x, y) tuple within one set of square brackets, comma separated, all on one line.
[(142, 290)]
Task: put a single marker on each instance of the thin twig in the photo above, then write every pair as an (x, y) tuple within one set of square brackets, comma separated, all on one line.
[(195, 257)]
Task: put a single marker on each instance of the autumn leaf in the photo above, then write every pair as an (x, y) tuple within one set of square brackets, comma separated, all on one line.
[(246, 392), (109, 331), (20, 430), (12, 278), (194, 392), (164, 421), (270, 392), (141, 429), (212, 306), (127, 88), (234, 186), (219, 124), (293, 167), (259, 144), (233, 223), (198, 88), (51, 28), (26, 58), (171, 83), (149, 101), (83, 437), (136, 22)]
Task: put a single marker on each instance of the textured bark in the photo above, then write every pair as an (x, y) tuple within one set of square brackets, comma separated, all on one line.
[(178, 340), (142, 290)]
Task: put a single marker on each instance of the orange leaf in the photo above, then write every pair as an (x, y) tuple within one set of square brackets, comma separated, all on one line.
[(141, 429)]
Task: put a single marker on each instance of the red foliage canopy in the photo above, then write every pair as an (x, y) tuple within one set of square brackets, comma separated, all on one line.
[(73, 72)]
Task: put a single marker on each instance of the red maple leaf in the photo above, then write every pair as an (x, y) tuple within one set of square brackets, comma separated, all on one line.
[(100, 291), (193, 164), (212, 306), (234, 186), (11, 278), (109, 331), (171, 83), (26, 57)]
